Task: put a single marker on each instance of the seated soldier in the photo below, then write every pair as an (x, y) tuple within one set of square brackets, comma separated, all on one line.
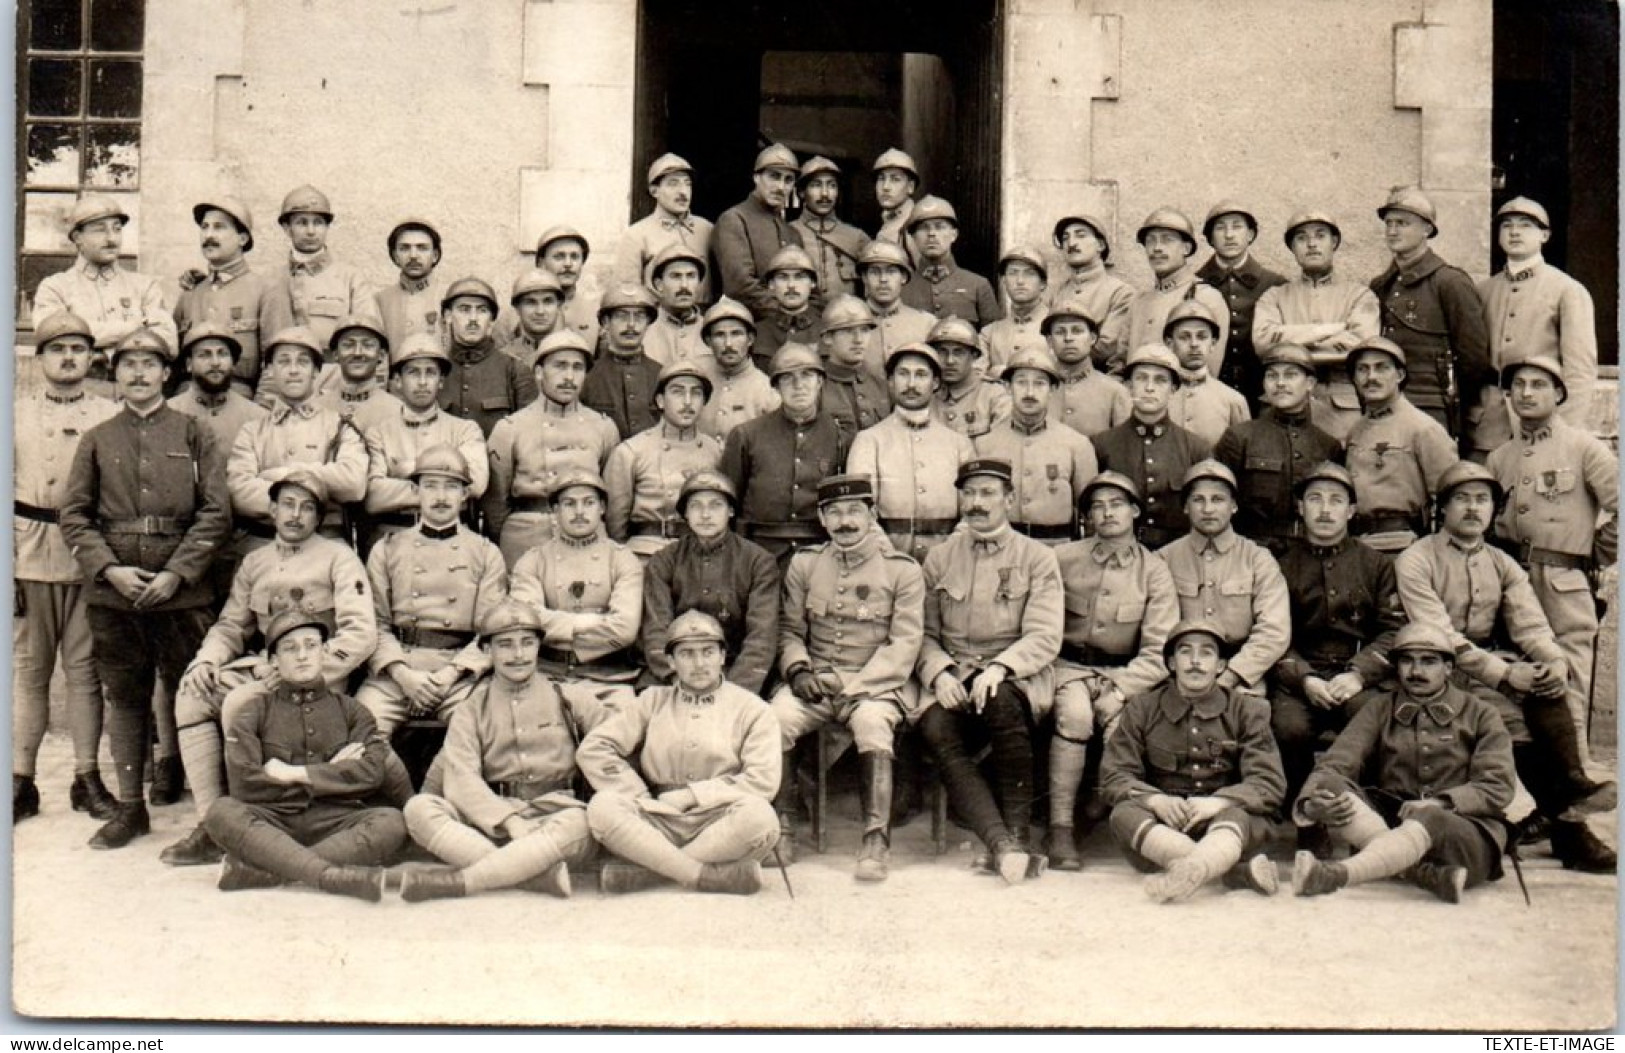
[(304, 764), (1415, 784), (508, 815), (646, 472), (299, 568), (685, 775), (1192, 775), (848, 640)]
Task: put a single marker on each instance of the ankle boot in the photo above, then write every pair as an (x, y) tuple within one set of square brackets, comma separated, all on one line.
[(617, 878), (238, 876), (366, 883), (434, 883), (1445, 882), (130, 822), (1578, 848), (554, 881), (740, 878), (89, 794), (24, 798)]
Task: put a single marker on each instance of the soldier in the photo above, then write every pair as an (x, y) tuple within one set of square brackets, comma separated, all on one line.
[(1396, 453), (532, 449), (968, 402), (396, 444), (621, 383), (676, 276), (646, 473), (1443, 766), (912, 457), (1531, 310), (1169, 243), (1151, 449), (1050, 464), (993, 614), (896, 179), (1084, 398), (1271, 454), (412, 304), (743, 392), (48, 601), (1103, 298), (356, 390), (1560, 478), (298, 432), (1228, 581), (945, 289), (711, 568), (775, 462), (482, 385), (669, 224), (305, 765), (853, 394), (114, 301), (587, 590), (538, 299), (230, 296), (1328, 315), (1231, 228), (685, 774), (833, 244), (790, 315), (563, 251), (313, 289), (750, 234), (849, 636), (1345, 610), (1120, 608), (508, 814), (1202, 404), (1507, 654), (320, 575), (145, 511), (1192, 775), (430, 587), (1024, 276), (1431, 310), (885, 270)]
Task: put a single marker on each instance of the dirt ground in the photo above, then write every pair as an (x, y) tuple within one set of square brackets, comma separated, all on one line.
[(117, 934)]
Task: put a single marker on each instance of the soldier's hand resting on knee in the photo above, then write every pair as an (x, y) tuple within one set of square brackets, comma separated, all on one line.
[(1328, 808), (1169, 810)]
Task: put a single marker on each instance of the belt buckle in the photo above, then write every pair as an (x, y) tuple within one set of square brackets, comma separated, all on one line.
[(149, 524)]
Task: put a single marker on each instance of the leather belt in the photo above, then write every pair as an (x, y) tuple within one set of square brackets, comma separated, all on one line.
[(1549, 557), (1045, 531), (918, 526), (254, 527), (1386, 520), (670, 529), (526, 789), (152, 526), (24, 510), (791, 531), (619, 661), (439, 638), (529, 504), (1087, 654)]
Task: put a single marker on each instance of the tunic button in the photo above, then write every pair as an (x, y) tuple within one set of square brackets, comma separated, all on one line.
[(1523, 510)]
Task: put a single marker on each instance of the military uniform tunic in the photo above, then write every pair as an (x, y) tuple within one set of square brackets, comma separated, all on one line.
[(224, 415), (1089, 401), (1109, 301), (409, 307), (622, 388), (853, 398), (1345, 611), (1538, 311), (365, 405), (834, 247), (1206, 407), (1015, 332), (529, 450), (589, 596), (1237, 586), (946, 290), (393, 447), (315, 439), (1241, 286), (672, 339), (654, 234), (1218, 745), (1269, 455), (1152, 306), (735, 399), (644, 476), (912, 459), (776, 465), (1050, 465), (895, 326), (975, 409), (734, 581), (1302, 311), (48, 430), (315, 291), (484, 385), (1156, 457), (113, 301), (1396, 454), (1430, 308), (744, 242), (234, 298)]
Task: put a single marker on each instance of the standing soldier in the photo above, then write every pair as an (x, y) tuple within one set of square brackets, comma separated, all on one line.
[(1396, 453), (1169, 242), (482, 385), (885, 270), (994, 604), (945, 289), (670, 224), (1085, 398), (312, 289), (685, 775), (430, 587), (538, 299), (145, 511), (532, 449), (896, 179), (114, 301), (712, 569), (1328, 315), (912, 457), (750, 234), (1270, 454), (1151, 449), (1202, 404), (853, 393), (356, 391), (743, 392), (1050, 464), (1024, 275), (230, 296), (1120, 608), (1431, 310), (1532, 310), (1561, 518), (621, 383), (850, 633), (48, 602), (645, 474), (776, 461), (412, 304), (790, 315), (563, 251), (674, 336), (1231, 229), (833, 244), (1105, 299), (969, 402)]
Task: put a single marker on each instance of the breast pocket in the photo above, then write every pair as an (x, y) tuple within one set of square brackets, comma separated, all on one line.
[(325, 307), (500, 403), (1555, 482)]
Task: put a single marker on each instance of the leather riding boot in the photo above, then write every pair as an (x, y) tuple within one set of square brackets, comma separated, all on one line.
[(1552, 730), (876, 790), (784, 803)]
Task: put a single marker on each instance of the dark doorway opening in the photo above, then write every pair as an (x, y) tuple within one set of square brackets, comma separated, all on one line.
[(718, 79), (1556, 137)]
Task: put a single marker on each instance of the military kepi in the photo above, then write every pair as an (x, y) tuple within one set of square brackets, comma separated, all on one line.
[(985, 466), (845, 487)]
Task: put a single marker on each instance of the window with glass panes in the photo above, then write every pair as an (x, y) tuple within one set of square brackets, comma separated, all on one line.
[(79, 122)]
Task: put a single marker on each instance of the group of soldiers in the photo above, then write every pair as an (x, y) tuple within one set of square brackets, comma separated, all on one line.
[(1136, 555)]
